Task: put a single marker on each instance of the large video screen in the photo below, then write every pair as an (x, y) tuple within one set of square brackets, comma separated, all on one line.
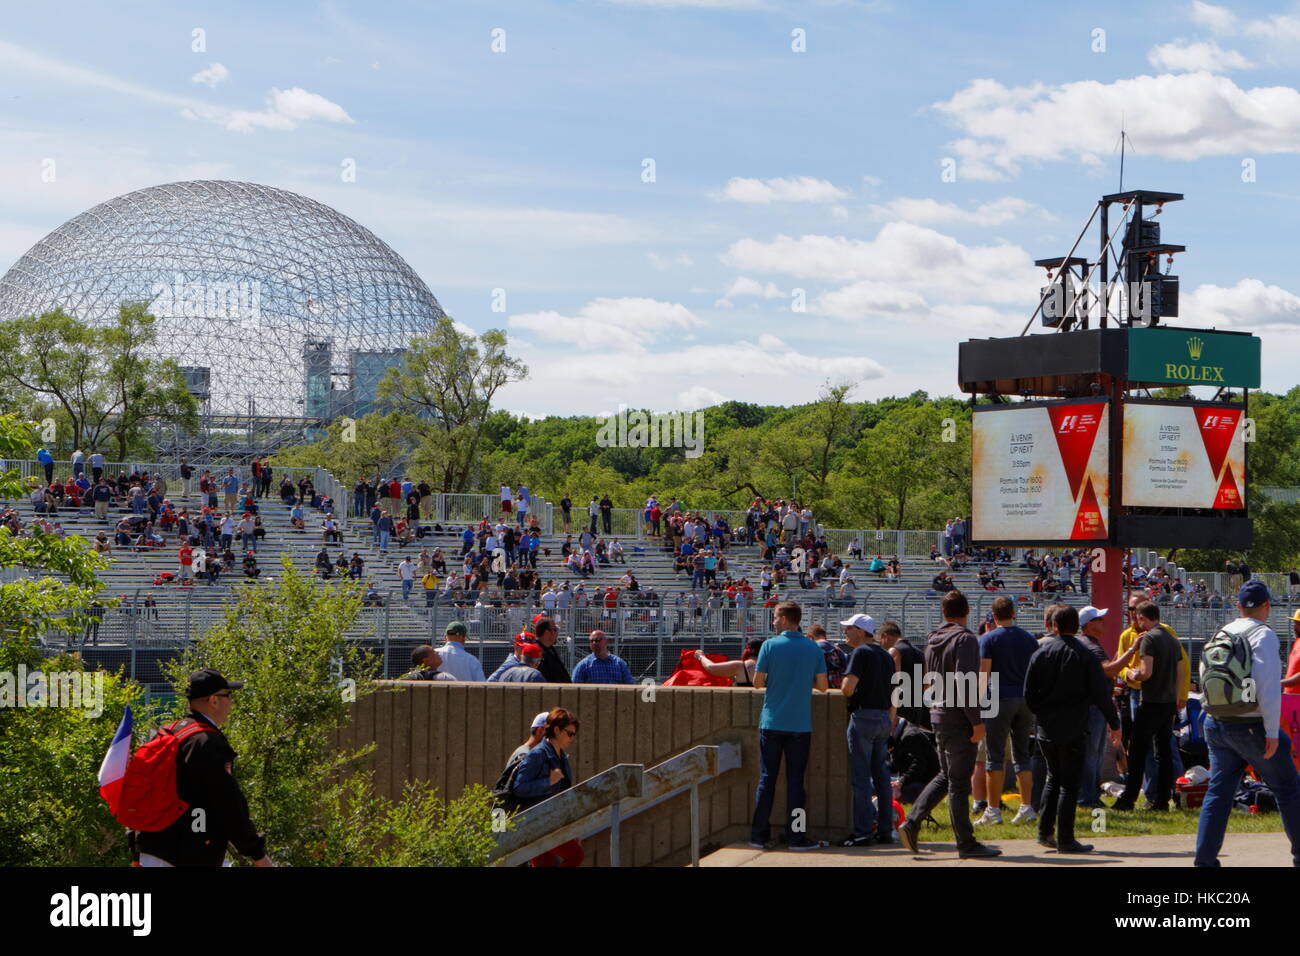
[(1040, 472), (1184, 456)]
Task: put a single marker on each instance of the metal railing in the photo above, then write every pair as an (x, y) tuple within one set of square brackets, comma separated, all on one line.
[(650, 635), (604, 801), (324, 482)]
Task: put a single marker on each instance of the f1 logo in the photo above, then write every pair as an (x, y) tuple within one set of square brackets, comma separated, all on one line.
[(1067, 423)]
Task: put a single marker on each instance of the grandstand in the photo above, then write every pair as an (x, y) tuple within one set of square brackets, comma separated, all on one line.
[(649, 628)]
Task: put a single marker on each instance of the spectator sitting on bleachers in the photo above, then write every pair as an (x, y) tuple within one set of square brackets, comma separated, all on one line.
[(330, 528), (102, 545), (877, 565), (942, 583), (251, 570), (324, 566), (296, 519)]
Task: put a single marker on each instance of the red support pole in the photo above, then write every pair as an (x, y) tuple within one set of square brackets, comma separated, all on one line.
[(1108, 592)]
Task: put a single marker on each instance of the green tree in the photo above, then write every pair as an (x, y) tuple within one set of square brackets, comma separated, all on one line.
[(50, 809), (98, 383), (449, 379), (316, 804)]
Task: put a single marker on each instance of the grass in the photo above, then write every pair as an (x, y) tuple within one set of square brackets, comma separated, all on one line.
[(1134, 823)]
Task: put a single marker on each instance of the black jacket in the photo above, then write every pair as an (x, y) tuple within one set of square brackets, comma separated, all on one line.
[(553, 669), (204, 780), (912, 756), (953, 649), (1063, 679)]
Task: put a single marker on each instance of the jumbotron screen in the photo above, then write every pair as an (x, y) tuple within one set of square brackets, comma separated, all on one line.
[(1040, 473), (1184, 456)]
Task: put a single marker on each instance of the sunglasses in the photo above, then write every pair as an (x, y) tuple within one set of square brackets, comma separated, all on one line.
[(571, 733)]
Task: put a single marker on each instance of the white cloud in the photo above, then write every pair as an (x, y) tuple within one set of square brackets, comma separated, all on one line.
[(609, 323), (211, 76), (698, 396), (285, 109), (799, 189), (1182, 116), (1219, 20), (745, 286), (909, 256), (931, 211), (1181, 56), (1250, 304), (642, 378), (860, 299)]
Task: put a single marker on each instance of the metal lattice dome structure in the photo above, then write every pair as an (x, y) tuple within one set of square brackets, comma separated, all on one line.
[(282, 312)]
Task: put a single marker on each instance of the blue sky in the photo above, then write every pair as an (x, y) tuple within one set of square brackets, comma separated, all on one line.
[(775, 170)]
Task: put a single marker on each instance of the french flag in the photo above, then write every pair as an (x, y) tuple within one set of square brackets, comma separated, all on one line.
[(113, 769)]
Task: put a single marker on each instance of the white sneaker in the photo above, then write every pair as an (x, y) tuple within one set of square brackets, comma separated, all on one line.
[(1025, 814), (991, 815)]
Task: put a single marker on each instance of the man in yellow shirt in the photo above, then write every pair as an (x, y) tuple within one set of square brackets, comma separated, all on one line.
[(1127, 639), (430, 582)]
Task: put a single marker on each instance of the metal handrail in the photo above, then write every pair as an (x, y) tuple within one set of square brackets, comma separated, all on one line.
[(675, 776)]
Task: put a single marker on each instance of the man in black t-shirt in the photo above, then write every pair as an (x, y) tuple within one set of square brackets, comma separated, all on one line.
[(867, 686), (566, 508), (1160, 673)]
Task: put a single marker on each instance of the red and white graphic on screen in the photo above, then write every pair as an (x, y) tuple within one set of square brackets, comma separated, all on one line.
[(1217, 426), (1229, 495), (1087, 521), (1075, 428)]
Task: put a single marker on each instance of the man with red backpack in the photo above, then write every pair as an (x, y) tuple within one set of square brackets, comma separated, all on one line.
[(216, 813)]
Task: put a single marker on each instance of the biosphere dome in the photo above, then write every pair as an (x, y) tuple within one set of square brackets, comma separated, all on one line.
[(278, 308)]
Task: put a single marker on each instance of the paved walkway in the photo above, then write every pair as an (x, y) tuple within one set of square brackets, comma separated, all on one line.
[(1239, 849)]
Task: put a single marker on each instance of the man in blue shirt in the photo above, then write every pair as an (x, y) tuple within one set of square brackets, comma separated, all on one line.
[(790, 667), (600, 666), (1004, 657)]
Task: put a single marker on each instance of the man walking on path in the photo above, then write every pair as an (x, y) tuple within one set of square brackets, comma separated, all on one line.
[(790, 667), (952, 659), (1064, 680), (1254, 738)]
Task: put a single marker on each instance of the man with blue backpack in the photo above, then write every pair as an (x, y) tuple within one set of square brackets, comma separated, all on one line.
[(1241, 673)]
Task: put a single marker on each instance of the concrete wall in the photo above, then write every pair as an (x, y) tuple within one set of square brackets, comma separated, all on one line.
[(456, 734)]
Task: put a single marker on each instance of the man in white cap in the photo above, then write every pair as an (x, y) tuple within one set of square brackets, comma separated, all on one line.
[(867, 686), (534, 738), (1092, 628)]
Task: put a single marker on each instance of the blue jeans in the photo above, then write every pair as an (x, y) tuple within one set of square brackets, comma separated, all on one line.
[(868, 734), (1094, 753), (1232, 747), (772, 744), (383, 540), (406, 589)]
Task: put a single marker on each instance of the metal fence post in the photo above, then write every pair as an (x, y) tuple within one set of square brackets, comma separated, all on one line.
[(387, 633)]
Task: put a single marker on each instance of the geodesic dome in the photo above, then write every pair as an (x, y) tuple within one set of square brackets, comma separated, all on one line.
[(276, 306)]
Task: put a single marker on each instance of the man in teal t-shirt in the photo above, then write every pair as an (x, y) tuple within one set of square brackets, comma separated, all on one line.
[(790, 667)]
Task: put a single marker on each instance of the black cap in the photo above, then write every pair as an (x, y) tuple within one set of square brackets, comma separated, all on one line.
[(207, 682)]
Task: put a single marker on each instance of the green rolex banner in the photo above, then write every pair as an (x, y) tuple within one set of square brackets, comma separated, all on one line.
[(1193, 357)]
